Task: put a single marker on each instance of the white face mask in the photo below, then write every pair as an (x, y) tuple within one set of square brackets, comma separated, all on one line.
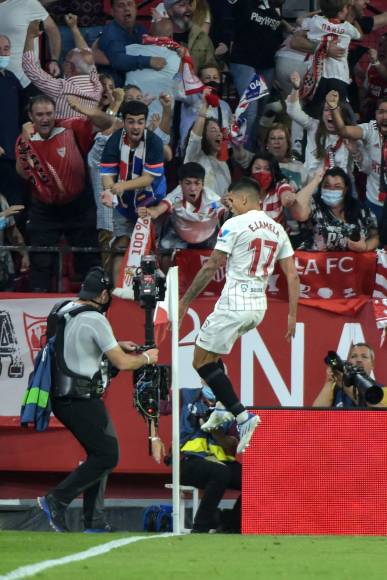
[(332, 197), (4, 61)]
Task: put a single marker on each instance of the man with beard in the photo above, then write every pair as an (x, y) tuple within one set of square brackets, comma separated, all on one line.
[(185, 32), (119, 33), (132, 169), (374, 137)]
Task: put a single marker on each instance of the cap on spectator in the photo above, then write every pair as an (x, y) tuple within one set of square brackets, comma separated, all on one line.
[(95, 282)]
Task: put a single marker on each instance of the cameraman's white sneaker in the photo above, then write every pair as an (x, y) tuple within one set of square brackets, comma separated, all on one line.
[(218, 416), (246, 430)]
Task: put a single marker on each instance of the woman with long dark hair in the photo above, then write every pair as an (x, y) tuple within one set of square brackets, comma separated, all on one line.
[(324, 147), (204, 146), (335, 219)]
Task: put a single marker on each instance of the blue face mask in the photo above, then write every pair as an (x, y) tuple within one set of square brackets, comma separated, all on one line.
[(332, 197), (4, 61)]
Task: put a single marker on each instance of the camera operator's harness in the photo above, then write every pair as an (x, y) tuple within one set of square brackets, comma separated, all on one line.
[(66, 383)]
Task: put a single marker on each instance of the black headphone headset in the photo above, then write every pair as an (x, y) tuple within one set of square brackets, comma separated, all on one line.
[(105, 278)]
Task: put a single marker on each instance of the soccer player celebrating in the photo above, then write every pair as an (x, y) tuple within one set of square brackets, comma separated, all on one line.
[(252, 242)]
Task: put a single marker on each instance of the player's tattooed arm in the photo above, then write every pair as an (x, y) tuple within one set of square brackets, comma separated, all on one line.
[(202, 279)]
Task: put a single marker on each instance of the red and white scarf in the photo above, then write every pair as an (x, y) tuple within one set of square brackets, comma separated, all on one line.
[(191, 83), (313, 75), (141, 244)]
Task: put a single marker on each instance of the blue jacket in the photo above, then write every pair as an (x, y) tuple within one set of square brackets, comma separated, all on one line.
[(36, 406), (194, 441), (113, 42)]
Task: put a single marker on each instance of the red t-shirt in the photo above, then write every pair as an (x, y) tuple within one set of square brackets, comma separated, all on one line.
[(55, 166)]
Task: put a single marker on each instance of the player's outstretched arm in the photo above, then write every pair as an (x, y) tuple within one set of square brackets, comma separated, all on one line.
[(201, 280), (289, 269)]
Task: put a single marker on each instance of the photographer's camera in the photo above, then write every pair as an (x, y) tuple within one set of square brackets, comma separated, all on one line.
[(367, 389)]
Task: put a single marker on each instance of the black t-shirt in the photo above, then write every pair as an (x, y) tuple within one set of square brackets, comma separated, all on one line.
[(181, 37), (258, 34), (222, 23), (366, 24)]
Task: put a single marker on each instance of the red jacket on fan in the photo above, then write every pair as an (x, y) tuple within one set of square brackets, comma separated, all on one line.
[(55, 167)]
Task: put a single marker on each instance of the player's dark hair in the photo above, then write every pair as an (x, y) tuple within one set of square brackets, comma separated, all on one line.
[(247, 186)]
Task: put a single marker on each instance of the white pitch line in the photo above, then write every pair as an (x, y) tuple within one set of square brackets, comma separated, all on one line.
[(32, 569)]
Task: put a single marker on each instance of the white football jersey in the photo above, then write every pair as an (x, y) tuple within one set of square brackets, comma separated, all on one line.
[(253, 242), (194, 224)]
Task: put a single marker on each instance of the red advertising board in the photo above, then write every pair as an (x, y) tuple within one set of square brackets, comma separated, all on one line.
[(265, 369), (316, 472), (323, 275)]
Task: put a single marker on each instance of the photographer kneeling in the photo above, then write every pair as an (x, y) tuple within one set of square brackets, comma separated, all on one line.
[(335, 393), (84, 338)]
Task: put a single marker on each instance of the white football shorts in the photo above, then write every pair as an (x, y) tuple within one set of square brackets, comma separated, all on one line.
[(222, 328)]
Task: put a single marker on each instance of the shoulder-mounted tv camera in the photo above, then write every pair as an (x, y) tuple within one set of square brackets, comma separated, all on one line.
[(151, 382), (148, 283)]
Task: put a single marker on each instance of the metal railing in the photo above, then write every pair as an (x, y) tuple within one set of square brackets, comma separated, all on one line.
[(61, 251)]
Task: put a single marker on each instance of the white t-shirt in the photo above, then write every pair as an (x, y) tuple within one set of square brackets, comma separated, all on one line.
[(15, 16), (373, 146), (317, 27), (194, 224), (189, 112), (253, 242), (87, 336), (153, 81), (218, 177), (339, 156)]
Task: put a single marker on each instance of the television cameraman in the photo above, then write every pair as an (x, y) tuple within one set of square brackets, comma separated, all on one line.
[(334, 393), (83, 337)]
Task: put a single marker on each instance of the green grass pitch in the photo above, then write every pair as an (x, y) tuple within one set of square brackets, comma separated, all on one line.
[(200, 557)]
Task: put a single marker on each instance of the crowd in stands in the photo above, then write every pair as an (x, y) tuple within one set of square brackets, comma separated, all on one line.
[(108, 116)]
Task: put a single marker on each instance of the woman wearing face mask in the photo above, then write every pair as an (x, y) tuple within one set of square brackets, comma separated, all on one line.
[(324, 148), (278, 142), (205, 147), (276, 193), (334, 219)]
